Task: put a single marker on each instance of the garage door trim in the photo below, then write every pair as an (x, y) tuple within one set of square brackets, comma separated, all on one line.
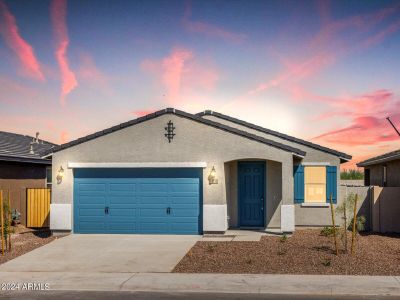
[(73, 165)]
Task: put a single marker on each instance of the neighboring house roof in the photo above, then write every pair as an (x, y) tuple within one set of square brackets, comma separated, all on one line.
[(186, 115), (394, 155), (17, 147), (342, 155)]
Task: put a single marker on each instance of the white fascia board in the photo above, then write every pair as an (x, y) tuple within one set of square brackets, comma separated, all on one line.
[(73, 165), (316, 164), (298, 155), (346, 159)]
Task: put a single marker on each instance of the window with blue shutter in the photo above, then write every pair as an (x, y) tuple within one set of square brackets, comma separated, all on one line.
[(331, 184), (298, 184)]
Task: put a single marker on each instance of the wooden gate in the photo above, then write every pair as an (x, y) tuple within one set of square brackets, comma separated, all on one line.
[(38, 207)]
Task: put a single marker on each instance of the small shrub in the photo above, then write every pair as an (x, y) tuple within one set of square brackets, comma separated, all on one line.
[(326, 262), (211, 247), (351, 175), (328, 231), (360, 224), (283, 238), (249, 261), (281, 247)]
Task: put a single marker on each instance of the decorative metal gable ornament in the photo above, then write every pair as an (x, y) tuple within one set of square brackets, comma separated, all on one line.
[(170, 131)]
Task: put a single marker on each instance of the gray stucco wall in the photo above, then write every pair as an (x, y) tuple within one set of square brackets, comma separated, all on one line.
[(194, 142), (304, 216)]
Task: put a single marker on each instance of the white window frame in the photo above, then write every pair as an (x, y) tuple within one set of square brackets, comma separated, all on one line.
[(49, 184), (314, 204)]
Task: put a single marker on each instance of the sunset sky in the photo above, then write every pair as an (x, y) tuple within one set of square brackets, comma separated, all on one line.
[(328, 72)]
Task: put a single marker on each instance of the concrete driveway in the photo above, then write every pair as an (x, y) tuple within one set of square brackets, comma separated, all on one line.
[(105, 253)]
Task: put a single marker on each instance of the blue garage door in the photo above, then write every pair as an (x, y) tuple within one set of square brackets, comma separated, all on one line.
[(152, 201)]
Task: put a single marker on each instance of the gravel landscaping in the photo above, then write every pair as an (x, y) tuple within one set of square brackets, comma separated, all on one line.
[(25, 240), (305, 252)]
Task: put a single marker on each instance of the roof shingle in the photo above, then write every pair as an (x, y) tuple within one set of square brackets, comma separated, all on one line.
[(17, 147), (187, 116), (275, 133), (381, 158)]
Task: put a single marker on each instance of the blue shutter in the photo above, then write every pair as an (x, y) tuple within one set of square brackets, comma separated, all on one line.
[(298, 184), (331, 184)]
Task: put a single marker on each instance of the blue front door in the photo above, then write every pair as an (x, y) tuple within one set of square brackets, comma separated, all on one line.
[(153, 201), (251, 194)]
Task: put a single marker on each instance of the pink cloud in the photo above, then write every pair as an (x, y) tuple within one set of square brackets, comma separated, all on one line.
[(209, 29), (181, 75), (368, 114), (88, 71), (64, 136), (141, 113), (14, 93), (24, 51), (58, 15), (378, 103), (382, 35), (325, 48), (294, 72), (173, 70)]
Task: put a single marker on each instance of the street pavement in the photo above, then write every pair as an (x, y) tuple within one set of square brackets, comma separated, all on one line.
[(89, 295), (207, 283)]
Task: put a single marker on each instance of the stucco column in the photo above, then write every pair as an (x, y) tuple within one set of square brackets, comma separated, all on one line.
[(287, 207), (214, 199), (287, 181)]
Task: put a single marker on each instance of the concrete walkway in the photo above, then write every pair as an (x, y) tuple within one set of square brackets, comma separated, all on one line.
[(105, 253), (213, 283)]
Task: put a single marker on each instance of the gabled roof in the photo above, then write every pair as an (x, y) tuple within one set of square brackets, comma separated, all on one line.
[(342, 155), (17, 147), (394, 155), (186, 115)]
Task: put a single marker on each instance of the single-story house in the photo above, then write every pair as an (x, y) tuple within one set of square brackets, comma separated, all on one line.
[(179, 173), (382, 170), (22, 166)]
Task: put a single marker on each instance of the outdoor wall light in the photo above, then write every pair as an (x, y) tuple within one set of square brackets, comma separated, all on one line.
[(60, 175), (212, 178)]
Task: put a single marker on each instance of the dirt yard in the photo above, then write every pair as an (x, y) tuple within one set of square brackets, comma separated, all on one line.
[(305, 252), (24, 240)]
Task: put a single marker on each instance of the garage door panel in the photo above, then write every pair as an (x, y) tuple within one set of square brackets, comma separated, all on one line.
[(153, 212), (155, 188), (154, 227), (92, 226), (185, 186), (153, 199), (185, 200), (92, 187), (182, 228), (124, 188), (121, 212), (125, 227), (92, 211), (185, 212), (137, 205), (92, 200), (124, 200)]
